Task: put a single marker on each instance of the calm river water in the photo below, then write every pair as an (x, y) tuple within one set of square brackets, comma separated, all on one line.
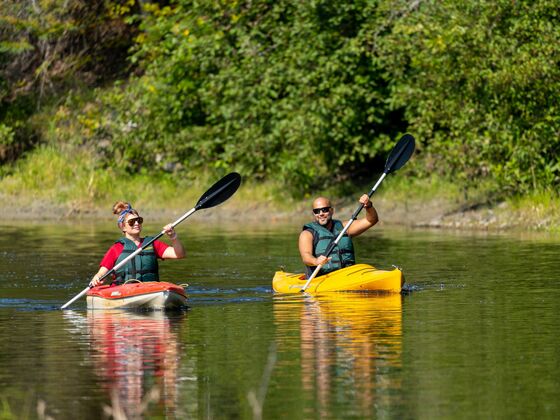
[(476, 337)]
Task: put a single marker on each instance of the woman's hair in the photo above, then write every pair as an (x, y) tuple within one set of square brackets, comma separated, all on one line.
[(122, 208)]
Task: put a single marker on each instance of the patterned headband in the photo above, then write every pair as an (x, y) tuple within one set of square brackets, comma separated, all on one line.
[(123, 213)]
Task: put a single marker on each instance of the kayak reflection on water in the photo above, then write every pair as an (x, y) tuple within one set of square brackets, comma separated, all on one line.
[(346, 338), (136, 355)]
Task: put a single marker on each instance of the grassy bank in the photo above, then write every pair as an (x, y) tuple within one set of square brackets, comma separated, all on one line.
[(62, 180), (54, 182)]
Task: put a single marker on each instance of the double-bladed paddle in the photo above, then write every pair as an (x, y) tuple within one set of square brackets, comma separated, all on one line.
[(217, 194), (397, 158)]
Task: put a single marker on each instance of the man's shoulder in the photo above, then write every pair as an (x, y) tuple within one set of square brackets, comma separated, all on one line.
[(306, 231), (308, 226)]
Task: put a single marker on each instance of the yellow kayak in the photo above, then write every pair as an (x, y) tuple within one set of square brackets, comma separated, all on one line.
[(359, 277)]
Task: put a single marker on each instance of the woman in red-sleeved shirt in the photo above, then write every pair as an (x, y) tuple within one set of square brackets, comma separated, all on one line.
[(143, 266)]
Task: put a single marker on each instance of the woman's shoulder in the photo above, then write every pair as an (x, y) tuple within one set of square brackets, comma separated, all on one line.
[(160, 247)]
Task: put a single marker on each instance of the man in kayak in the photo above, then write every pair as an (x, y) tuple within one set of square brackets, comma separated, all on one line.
[(316, 237), (144, 266)]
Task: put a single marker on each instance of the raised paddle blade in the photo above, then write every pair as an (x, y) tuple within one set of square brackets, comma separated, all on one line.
[(220, 191), (400, 153)]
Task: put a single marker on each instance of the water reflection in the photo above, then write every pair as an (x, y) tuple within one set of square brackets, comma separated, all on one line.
[(351, 347), (483, 327), (136, 355)]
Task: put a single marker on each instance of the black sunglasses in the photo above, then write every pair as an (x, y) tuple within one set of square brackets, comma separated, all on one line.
[(131, 222), (322, 210)]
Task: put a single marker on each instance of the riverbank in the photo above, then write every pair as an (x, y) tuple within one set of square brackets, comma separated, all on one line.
[(525, 214), (58, 183)]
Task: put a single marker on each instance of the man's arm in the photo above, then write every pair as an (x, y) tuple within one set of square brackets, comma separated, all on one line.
[(361, 225), (306, 250)]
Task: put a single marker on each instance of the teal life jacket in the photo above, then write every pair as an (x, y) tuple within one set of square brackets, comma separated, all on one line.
[(342, 254), (144, 265)]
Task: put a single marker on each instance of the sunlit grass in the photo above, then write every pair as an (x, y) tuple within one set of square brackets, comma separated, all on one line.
[(70, 178), (5, 410), (403, 187), (541, 209), (45, 171)]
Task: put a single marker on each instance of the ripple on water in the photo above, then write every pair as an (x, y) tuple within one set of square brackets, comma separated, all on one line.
[(27, 304)]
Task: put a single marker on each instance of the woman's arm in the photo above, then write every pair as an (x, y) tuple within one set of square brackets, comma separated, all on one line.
[(176, 250)]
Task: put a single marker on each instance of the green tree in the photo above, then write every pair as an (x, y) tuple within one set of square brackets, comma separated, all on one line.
[(480, 82), (272, 88)]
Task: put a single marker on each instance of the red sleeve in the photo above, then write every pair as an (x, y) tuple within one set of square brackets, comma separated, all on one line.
[(111, 256), (160, 248)]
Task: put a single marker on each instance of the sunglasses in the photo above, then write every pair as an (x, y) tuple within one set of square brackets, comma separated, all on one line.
[(131, 222), (322, 210)]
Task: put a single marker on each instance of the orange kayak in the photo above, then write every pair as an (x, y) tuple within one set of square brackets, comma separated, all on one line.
[(148, 295)]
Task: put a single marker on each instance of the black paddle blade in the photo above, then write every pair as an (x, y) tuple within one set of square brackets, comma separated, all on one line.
[(400, 153), (220, 191)]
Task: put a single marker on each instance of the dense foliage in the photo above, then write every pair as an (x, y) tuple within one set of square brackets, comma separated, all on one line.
[(51, 47), (480, 82), (300, 91), (270, 88)]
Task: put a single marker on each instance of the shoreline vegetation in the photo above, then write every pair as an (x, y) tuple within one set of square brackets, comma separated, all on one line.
[(153, 102), (52, 186), (527, 215)]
